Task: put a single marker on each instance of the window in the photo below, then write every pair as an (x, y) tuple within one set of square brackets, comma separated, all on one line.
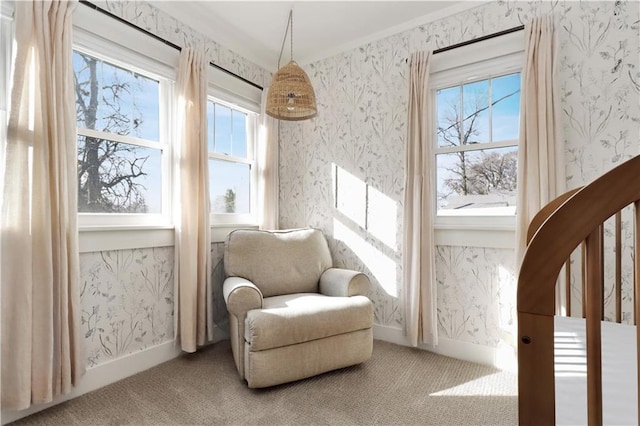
[(232, 168), (476, 115), (123, 92), (120, 152), (476, 146)]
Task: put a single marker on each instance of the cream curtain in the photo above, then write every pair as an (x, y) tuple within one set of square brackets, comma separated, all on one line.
[(41, 344), (268, 185), (193, 293), (418, 247), (541, 173)]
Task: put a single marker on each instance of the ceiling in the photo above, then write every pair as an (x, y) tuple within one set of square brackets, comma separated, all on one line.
[(255, 29)]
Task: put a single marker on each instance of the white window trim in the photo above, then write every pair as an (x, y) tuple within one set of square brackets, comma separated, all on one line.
[(236, 103), (93, 31), (479, 61), (104, 238), (89, 38)]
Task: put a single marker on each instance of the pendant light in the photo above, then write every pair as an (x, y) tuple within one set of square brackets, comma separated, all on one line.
[(291, 96)]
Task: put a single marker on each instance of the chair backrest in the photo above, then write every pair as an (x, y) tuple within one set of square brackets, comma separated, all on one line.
[(278, 262)]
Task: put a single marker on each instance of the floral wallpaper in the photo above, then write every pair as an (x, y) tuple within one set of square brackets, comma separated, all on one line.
[(361, 128), (127, 300), (220, 313), (485, 315)]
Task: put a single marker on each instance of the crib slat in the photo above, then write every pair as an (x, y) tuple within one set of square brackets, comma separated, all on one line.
[(594, 257), (618, 284), (601, 228), (583, 269), (567, 285), (636, 291)]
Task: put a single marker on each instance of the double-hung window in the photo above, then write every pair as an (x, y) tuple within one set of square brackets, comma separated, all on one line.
[(123, 115), (232, 166), (121, 149), (476, 152), (476, 116)]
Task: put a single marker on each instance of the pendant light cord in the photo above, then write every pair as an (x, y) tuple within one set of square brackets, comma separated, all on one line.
[(289, 25)]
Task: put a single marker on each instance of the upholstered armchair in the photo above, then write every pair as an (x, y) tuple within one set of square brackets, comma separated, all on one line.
[(291, 314)]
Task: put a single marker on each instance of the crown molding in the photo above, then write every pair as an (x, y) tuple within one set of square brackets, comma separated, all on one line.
[(391, 31)]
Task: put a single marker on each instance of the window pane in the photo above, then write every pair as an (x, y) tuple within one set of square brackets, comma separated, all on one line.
[(115, 177), (448, 116), (229, 187), (86, 72), (239, 134), (477, 180), (146, 108), (210, 134), (505, 114), (114, 100), (222, 130), (475, 100)]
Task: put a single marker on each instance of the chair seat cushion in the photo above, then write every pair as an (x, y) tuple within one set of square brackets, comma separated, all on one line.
[(302, 317)]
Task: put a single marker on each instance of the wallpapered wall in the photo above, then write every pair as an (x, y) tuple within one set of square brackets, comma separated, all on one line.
[(127, 300), (158, 22), (361, 129), (127, 295)]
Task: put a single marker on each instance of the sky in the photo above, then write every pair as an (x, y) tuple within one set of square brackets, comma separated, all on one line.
[(499, 122)]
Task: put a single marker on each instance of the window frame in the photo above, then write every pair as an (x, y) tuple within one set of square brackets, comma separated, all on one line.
[(98, 32), (93, 45), (252, 113), (163, 144), (477, 62)]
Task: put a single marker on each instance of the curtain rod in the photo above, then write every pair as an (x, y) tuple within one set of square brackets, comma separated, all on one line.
[(160, 39), (476, 40)]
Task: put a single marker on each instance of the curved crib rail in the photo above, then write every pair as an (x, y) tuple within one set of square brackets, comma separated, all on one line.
[(577, 217)]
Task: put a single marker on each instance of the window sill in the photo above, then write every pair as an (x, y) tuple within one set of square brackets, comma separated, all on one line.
[(105, 238), (477, 231)]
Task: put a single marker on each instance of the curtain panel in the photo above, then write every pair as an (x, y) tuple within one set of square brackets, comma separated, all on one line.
[(419, 291), (194, 296), (42, 356), (541, 171), (268, 179)]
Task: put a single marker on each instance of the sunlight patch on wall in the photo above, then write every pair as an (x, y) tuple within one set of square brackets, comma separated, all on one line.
[(366, 206), (381, 267), (507, 285), (351, 196), (381, 217)]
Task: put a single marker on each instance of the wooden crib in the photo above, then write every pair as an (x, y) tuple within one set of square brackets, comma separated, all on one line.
[(573, 221)]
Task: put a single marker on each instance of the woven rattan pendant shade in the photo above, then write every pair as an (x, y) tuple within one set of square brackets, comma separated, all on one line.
[(291, 95)]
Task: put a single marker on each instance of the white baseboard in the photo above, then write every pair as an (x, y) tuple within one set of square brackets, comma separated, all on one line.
[(105, 374), (503, 357)]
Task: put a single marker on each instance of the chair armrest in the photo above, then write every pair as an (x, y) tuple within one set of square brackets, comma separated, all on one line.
[(241, 295), (343, 282)]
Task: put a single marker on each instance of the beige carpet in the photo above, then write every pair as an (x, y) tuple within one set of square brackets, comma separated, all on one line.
[(397, 386)]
